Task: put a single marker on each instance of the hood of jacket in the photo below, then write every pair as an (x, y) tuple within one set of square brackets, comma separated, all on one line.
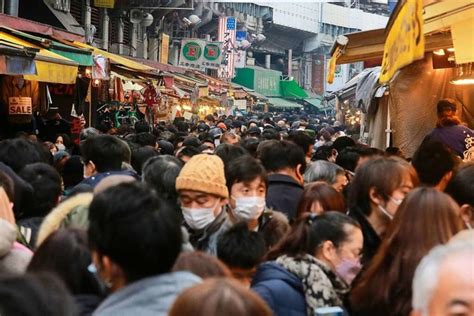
[(273, 271), (150, 296)]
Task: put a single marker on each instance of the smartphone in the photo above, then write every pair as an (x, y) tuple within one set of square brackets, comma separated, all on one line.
[(329, 311)]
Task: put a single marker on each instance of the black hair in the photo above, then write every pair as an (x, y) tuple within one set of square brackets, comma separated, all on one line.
[(432, 161), (270, 133), (34, 295), (342, 142), (8, 185), (244, 169), (140, 156), (188, 152), (191, 141), (105, 151), (348, 158), (166, 148), (461, 186), (19, 152), (301, 139), (160, 173), (66, 253), (142, 127), (73, 172), (251, 145), (210, 118), (322, 153), (241, 248), (228, 152), (145, 139), (139, 233), (46, 184), (310, 231), (282, 154)]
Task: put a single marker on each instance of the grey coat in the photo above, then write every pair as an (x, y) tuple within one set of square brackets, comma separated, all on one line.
[(147, 297)]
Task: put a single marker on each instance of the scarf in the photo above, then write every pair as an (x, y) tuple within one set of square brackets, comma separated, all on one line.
[(322, 287)]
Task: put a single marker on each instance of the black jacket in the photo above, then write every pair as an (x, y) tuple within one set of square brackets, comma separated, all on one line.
[(283, 194), (371, 239)]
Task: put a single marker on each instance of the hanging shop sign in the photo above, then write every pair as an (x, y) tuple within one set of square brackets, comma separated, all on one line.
[(240, 58), (20, 106), (227, 33), (405, 41), (199, 54), (164, 48), (104, 3)]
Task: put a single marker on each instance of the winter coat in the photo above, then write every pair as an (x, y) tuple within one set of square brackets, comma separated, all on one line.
[(152, 296), (73, 212), (280, 289), (14, 258), (372, 241), (284, 194), (206, 240), (29, 228)]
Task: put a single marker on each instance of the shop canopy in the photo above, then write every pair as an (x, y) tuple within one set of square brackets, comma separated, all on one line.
[(291, 89), (284, 103), (446, 24), (50, 66), (116, 59), (16, 59), (82, 56), (316, 102)]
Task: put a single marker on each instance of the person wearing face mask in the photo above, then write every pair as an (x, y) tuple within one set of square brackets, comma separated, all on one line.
[(247, 183), (425, 219), (377, 189), (202, 191), (313, 266)]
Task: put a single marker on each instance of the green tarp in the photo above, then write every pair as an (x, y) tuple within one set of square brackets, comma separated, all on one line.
[(314, 102), (291, 89), (283, 103)]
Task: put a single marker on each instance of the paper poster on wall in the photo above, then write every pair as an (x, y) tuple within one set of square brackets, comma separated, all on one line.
[(20, 106), (188, 115)]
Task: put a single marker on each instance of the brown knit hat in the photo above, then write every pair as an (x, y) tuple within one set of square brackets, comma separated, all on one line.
[(203, 173)]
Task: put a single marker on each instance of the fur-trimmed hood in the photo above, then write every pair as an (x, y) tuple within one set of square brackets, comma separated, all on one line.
[(54, 220)]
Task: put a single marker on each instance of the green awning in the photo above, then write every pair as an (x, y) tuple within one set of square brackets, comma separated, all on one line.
[(291, 89), (283, 103), (316, 102), (80, 55)]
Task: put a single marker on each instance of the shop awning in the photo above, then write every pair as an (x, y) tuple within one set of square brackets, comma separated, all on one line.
[(17, 60), (82, 56), (283, 103), (316, 102), (50, 66), (291, 89), (130, 64)]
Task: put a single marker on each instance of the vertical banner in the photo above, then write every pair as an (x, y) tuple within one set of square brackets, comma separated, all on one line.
[(164, 49), (227, 35), (405, 41), (240, 58), (317, 74)]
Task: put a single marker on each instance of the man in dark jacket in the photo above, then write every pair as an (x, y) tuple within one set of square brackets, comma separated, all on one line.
[(285, 163), (103, 156), (286, 296)]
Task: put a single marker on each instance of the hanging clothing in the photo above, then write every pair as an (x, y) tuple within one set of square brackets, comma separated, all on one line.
[(16, 86)]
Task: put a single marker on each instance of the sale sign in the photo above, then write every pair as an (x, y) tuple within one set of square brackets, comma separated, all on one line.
[(20, 106)]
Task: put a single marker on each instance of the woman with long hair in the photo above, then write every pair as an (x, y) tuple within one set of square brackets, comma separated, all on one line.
[(312, 266), (319, 197), (426, 218), (378, 188)]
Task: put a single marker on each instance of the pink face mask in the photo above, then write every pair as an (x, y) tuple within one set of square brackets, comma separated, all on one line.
[(348, 269)]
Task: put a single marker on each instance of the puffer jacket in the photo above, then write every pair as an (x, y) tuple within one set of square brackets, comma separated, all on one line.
[(14, 258), (280, 289)]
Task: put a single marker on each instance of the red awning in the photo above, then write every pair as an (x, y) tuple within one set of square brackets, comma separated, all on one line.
[(25, 25)]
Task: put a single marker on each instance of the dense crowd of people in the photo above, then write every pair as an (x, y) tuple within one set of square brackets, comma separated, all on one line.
[(241, 215)]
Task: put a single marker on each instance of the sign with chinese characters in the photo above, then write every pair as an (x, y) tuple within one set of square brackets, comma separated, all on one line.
[(405, 41), (240, 58), (199, 54), (226, 33)]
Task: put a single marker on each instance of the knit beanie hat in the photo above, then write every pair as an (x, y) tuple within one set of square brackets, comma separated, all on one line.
[(203, 173)]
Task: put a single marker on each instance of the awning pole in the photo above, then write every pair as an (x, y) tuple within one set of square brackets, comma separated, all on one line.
[(388, 131)]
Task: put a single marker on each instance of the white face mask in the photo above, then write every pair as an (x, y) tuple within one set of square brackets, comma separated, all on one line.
[(247, 208), (60, 147), (385, 212), (198, 218)]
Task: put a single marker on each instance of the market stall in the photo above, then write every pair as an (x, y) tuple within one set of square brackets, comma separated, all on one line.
[(402, 111)]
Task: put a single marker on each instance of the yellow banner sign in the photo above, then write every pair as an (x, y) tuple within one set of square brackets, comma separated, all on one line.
[(164, 49), (405, 41)]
